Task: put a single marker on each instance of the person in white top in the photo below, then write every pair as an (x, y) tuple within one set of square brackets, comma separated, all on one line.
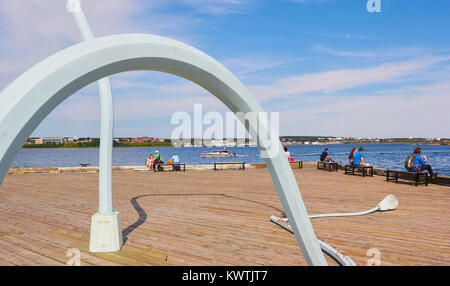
[(288, 154)]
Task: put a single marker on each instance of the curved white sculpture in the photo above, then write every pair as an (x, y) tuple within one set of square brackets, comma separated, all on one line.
[(31, 97)]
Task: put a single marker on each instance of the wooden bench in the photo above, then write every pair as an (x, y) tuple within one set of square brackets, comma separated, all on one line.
[(298, 163), (393, 175), (84, 165), (350, 170), (157, 166), (327, 166), (242, 164)]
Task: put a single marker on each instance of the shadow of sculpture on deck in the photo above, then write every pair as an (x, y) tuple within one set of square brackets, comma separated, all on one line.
[(143, 215)]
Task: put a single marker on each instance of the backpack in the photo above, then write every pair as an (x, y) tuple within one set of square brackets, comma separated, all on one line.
[(409, 162)]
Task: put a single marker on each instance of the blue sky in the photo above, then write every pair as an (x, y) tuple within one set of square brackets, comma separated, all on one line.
[(328, 66)]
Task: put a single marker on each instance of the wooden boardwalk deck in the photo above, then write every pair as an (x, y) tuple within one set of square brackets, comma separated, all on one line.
[(218, 218)]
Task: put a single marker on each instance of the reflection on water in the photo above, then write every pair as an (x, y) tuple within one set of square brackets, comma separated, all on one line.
[(379, 155)]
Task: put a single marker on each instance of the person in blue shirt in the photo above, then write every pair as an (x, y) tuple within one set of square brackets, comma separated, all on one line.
[(358, 159), (421, 163), (175, 158), (176, 162)]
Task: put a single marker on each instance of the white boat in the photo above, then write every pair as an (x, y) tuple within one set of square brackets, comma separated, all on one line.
[(224, 153)]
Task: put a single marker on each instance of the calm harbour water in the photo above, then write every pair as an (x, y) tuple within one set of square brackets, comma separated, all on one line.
[(379, 155)]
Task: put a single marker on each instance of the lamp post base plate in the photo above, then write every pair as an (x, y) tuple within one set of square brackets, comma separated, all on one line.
[(106, 233)]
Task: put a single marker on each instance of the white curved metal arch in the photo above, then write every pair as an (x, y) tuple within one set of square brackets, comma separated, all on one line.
[(31, 97)]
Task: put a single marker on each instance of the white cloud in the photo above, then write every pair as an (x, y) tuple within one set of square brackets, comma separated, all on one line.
[(132, 106), (144, 108), (244, 66), (417, 112), (334, 52), (35, 29), (342, 79)]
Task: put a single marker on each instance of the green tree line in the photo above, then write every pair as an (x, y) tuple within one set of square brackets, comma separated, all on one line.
[(95, 143)]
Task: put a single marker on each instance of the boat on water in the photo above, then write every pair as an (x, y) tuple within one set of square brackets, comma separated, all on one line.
[(224, 153)]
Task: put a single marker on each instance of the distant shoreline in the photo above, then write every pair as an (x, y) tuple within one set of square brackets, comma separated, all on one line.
[(87, 145), (165, 145), (372, 143)]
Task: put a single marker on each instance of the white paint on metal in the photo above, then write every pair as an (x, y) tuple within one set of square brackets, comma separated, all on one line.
[(337, 255), (389, 203), (106, 233), (107, 120)]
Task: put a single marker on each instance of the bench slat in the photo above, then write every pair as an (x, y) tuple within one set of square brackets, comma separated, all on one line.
[(229, 163)]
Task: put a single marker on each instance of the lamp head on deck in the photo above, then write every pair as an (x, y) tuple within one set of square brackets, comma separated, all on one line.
[(389, 203)]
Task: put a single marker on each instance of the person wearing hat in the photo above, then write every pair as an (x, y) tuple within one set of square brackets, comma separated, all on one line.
[(157, 159)]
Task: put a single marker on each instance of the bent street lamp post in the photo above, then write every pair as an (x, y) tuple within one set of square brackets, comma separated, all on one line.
[(100, 238), (27, 101)]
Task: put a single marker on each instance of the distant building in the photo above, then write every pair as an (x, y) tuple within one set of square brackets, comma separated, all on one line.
[(217, 143), (84, 140), (50, 140), (144, 139)]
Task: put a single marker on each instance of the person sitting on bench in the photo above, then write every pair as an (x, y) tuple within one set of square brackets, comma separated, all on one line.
[(325, 158), (358, 159), (149, 162), (350, 157), (176, 162), (157, 159), (417, 163)]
